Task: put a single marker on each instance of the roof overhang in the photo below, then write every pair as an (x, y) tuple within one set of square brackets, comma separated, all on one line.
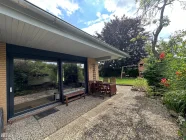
[(24, 24)]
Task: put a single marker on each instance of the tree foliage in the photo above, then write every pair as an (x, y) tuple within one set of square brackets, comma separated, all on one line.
[(153, 11), (128, 35)]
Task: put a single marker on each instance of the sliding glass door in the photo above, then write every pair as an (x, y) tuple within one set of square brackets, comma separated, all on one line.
[(37, 78), (35, 83), (73, 77)]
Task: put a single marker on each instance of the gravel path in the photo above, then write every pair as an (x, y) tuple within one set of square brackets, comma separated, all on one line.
[(126, 116)]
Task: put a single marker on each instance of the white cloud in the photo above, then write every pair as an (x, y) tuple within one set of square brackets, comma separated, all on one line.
[(53, 6), (100, 18), (120, 7), (92, 29), (178, 22), (177, 17), (117, 8)]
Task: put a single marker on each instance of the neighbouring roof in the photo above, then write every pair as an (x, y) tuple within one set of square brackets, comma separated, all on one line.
[(24, 24)]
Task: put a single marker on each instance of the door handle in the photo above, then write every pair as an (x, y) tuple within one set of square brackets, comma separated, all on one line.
[(10, 89)]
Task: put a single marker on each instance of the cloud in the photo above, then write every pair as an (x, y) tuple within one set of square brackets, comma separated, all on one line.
[(54, 6), (119, 5), (176, 15), (178, 22), (115, 8), (100, 18), (128, 7), (92, 29)]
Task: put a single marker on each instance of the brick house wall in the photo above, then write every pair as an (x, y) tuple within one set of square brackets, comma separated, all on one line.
[(93, 72), (3, 95)]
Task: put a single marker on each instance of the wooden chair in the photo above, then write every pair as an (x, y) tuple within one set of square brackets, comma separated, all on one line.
[(113, 80), (103, 90), (94, 87), (90, 86), (105, 80), (112, 89)]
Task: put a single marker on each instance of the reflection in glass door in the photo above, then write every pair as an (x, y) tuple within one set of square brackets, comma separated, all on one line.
[(35, 83), (73, 77)]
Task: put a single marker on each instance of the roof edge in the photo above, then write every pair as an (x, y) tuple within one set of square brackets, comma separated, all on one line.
[(77, 30), (67, 26)]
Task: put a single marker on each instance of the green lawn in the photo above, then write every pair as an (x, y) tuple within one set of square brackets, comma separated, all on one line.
[(124, 81)]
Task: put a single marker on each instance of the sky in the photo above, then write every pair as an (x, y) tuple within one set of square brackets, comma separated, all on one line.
[(90, 15)]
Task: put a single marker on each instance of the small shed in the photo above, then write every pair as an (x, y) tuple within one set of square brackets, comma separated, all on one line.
[(141, 67)]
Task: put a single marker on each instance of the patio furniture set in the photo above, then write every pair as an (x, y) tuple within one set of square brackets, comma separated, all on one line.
[(103, 87)]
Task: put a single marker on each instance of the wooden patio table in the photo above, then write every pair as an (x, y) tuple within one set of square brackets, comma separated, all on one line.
[(104, 88)]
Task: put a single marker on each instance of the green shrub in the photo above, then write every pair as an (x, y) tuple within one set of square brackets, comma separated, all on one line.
[(153, 72), (141, 84), (176, 100)]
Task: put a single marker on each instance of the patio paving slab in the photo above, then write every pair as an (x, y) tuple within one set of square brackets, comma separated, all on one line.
[(125, 116), (32, 129), (128, 115)]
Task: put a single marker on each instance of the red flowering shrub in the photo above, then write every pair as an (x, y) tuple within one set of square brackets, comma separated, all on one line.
[(162, 55), (164, 81), (178, 73)]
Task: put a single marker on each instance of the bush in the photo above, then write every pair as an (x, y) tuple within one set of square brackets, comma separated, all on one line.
[(141, 84), (153, 72), (176, 100)]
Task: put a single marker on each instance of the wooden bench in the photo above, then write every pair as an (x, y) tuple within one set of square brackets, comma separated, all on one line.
[(74, 94)]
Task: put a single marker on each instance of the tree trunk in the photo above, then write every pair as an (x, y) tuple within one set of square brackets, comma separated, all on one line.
[(160, 27)]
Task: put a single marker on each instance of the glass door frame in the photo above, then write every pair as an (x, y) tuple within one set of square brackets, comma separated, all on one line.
[(11, 87), (14, 51)]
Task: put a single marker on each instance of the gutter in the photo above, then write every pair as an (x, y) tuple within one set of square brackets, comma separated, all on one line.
[(61, 23)]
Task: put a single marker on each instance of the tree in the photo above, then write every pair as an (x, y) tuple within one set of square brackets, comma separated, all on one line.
[(126, 34), (153, 12)]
